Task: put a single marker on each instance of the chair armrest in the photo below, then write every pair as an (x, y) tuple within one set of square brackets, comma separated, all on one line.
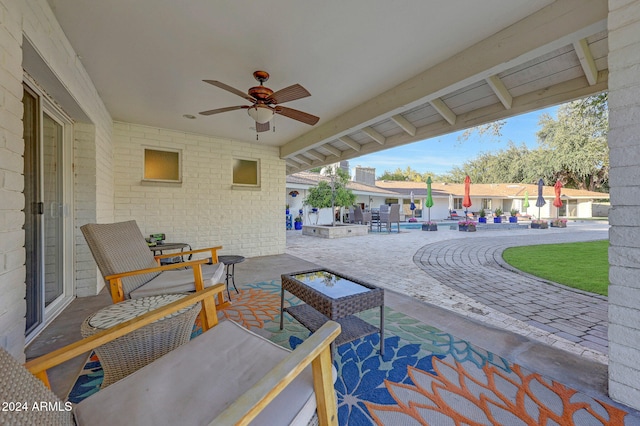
[(39, 366), (316, 351), (213, 250), (156, 269)]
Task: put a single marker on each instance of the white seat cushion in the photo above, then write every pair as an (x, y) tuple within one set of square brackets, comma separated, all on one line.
[(194, 383), (179, 281)]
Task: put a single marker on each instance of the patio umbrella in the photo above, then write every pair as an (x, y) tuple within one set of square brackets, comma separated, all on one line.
[(413, 205), (557, 202), (525, 205), (540, 201), (429, 203), (466, 202), (450, 203)]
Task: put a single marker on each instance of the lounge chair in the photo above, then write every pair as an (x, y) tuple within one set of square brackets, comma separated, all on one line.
[(225, 376), (131, 271), (453, 215)]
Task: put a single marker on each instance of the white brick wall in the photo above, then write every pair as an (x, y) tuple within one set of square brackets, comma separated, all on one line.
[(93, 190), (204, 210), (624, 253), (12, 255)]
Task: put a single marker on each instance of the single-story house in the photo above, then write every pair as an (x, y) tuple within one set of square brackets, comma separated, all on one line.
[(371, 194)]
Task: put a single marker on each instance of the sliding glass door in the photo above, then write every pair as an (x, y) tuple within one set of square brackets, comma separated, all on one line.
[(47, 214)]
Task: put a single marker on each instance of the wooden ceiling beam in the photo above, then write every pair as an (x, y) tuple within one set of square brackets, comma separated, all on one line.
[(302, 160), (351, 143), (404, 124), (442, 108), (315, 154), (373, 134), (500, 90), (335, 151), (586, 60)]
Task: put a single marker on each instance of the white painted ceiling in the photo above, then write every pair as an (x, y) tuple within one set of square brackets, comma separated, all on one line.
[(147, 59)]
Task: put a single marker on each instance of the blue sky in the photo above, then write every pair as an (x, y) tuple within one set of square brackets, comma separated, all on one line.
[(440, 154)]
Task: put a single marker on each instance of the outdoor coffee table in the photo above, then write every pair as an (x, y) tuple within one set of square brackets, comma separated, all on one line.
[(331, 296)]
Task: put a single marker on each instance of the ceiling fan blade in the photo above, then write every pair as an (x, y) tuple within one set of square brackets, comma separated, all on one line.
[(219, 110), (297, 115), (262, 127), (230, 89), (288, 94)]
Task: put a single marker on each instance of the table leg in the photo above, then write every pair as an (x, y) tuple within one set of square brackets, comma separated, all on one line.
[(233, 278)]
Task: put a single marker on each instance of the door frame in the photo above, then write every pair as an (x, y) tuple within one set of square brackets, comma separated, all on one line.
[(48, 106)]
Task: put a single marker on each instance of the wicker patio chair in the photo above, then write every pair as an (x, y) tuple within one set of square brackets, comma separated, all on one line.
[(361, 217), (131, 270), (389, 216), (213, 379)]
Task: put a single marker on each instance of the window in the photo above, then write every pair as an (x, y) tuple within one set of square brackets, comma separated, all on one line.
[(486, 203), (457, 203), (162, 165), (246, 172)]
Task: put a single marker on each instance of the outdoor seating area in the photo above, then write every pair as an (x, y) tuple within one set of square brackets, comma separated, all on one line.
[(257, 306), (281, 389)]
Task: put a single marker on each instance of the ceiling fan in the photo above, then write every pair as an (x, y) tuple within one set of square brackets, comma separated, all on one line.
[(266, 102)]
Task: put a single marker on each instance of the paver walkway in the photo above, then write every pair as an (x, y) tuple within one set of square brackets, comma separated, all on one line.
[(462, 272), (479, 271)]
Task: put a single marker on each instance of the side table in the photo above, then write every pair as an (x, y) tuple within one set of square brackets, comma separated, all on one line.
[(230, 264), (159, 248), (133, 351)]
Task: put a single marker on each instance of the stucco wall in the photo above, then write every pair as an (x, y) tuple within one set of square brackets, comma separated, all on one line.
[(204, 210), (624, 152)]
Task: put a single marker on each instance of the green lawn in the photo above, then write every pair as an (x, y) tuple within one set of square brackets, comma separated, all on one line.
[(579, 265)]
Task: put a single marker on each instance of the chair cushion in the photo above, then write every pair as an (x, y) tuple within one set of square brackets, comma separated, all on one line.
[(179, 281), (28, 401), (196, 382)]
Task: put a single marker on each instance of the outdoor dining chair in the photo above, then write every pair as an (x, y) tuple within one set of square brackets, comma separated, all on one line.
[(361, 217), (388, 216), (132, 271)]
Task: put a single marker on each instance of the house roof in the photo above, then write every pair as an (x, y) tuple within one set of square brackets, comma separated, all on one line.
[(497, 190), (311, 179), (381, 75)]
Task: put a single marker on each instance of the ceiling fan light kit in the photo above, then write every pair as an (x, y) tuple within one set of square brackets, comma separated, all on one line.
[(265, 102), (260, 114)]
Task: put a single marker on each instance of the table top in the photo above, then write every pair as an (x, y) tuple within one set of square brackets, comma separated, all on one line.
[(230, 260), (330, 284), (128, 309)]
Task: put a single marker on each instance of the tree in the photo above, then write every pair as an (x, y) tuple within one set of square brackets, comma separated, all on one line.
[(332, 192), (578, 140)]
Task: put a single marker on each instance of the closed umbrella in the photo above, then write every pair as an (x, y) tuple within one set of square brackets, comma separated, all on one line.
[(413, 205), (466, 202), (540, 201), (525, 205), (429, 203), (557, 202), (450, 203)]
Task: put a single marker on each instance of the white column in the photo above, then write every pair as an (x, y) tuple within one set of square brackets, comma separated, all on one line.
[(624, 252)]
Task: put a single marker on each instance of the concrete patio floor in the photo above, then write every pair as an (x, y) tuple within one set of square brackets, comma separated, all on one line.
[(414, 263)]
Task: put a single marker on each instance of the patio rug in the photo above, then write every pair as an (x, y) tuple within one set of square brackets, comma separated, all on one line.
[(427, 376)]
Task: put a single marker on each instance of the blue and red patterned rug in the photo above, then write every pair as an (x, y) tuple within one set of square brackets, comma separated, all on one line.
[(427, 376)]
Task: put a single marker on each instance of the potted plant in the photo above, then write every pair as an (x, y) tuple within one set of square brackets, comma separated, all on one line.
[(539, 224), (559, 223), (498, 213), (514, 216), (467, 226), (287, 209), (482, 218), (429, 226), (298, 223)]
